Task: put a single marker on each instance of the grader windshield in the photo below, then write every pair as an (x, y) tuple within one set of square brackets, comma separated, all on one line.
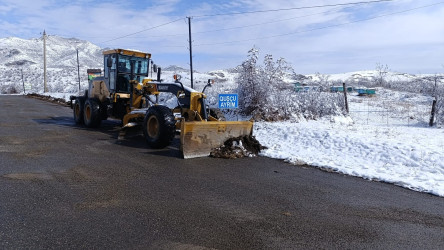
[(140, 65), (121, 66)]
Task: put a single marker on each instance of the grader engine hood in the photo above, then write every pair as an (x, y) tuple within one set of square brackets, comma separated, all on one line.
[(199, 138)]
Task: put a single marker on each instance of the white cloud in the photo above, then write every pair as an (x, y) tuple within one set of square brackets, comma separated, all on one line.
[(408, 41)]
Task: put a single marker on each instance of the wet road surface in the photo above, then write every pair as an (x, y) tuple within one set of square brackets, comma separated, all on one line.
[(66, 187)]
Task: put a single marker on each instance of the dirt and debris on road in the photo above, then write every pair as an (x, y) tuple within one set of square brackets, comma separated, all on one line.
[(60, 101), (237, 147)]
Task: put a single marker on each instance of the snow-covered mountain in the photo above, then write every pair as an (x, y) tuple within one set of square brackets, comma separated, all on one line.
[(60, 52), (25, 57), (19, 56), (175, 68)]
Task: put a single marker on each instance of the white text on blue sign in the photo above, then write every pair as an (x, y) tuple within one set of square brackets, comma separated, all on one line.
[(228, 101)]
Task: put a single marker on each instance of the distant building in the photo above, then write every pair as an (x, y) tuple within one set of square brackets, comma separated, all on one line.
[(366, 91)]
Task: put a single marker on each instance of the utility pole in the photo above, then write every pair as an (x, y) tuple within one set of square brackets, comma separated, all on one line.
[(45, 89), (432, 116), (345, 97), (191, 50), (23, 81), (78, 68)]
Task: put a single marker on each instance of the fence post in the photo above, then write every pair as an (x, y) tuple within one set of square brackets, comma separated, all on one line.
[(23, 82), (345, 97), (432, 116)]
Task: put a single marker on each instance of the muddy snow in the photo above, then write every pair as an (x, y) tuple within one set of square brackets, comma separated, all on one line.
[(238, 147)]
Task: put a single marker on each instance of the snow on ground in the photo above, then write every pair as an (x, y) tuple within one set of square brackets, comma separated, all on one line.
[(64, 96), (407, 154)]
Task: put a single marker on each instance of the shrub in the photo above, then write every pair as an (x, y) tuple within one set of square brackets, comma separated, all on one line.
[(265, 95)]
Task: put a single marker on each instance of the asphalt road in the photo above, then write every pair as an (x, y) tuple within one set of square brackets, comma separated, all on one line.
[(66, 187)]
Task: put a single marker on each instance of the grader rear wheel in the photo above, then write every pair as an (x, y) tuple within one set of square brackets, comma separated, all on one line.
[(78, 110), (91, 113)]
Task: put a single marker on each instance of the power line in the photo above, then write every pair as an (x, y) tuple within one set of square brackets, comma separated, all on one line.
[(128, 45), (248, 12), (61, 56), (238, 27), (295, 8), (320, 28), (264, 23), (230, 28), (140, 31)]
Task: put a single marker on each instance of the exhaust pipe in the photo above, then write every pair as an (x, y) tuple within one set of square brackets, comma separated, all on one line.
[(159, 70)]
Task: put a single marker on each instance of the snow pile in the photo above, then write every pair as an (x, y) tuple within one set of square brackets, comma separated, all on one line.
[(50, 98), (411, 157), (238, 147)]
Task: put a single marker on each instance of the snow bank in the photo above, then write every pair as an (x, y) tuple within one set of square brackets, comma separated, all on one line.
[(411, 157), (64, 96)]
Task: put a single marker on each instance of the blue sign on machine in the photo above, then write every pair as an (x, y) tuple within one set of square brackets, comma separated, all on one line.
[(228, 101)]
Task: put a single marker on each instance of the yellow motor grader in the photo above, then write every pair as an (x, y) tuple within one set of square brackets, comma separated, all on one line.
[(126, 92)]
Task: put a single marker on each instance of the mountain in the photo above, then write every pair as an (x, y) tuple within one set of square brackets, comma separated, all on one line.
[(21, 66), (25, 56), (176, 68), (60, 52)]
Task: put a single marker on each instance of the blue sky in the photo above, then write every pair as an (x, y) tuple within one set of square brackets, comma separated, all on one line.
[(326, 40)]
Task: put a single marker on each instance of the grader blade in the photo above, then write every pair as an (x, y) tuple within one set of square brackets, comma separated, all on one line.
[(199, 138)]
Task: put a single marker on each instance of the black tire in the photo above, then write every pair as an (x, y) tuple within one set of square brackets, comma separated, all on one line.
[(216, 113), (103, 111), (159, 126), (91, 113), (78, 109)]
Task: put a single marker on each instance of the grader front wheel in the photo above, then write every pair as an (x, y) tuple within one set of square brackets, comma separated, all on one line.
[(159, 126)]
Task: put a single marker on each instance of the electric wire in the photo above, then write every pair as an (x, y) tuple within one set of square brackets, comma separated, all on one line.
[(241, 27), (295, 8), (263, 23), (319, 28), (250, 12), (238, 13), (140, 31)]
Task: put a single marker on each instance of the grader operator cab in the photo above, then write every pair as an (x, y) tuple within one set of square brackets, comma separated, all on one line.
[(126, 92)]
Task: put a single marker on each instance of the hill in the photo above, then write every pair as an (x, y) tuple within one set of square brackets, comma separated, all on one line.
[(21, 60), (21, 56)]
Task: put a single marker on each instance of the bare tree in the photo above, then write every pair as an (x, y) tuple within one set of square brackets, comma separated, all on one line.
[(250, 91), (264, 93), (381, 73), (323, 81)]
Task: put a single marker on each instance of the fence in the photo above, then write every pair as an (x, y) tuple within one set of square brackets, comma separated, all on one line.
[(403, 112)]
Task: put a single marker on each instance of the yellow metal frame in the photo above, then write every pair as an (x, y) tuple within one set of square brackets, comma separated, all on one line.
[(127, 53), (120, 96), (127, 118)]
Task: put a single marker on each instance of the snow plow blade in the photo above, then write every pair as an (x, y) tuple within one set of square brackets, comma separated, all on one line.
[(197, 139)]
